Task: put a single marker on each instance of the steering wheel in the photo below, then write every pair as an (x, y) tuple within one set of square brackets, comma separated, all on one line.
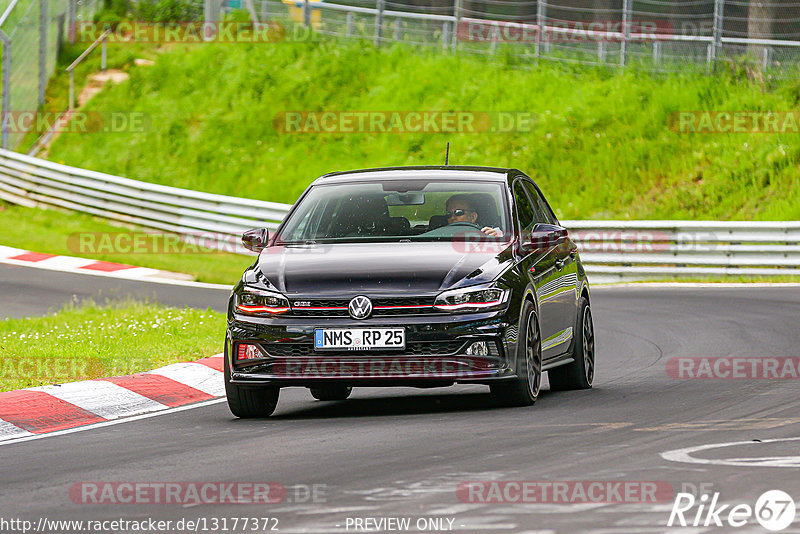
[(464, 223)]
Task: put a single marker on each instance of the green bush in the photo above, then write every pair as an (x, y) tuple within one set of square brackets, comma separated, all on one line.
[(165, 11)]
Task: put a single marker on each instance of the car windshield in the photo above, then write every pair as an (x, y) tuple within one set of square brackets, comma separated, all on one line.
[(395, 210)]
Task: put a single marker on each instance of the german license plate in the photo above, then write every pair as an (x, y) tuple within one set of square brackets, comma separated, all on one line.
[(359, 338)]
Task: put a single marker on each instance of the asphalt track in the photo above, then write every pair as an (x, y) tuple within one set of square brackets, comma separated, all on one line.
[(404, 452), (26, 291)]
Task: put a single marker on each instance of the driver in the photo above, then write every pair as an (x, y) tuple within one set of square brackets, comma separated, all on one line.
[(461, 209)]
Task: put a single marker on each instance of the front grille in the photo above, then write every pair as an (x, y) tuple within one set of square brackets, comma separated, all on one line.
[(416, 348), (382, 307)]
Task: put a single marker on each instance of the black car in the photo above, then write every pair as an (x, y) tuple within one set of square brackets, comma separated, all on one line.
[(412, 276)]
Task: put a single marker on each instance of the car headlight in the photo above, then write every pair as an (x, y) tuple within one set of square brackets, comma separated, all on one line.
[(258, 301), (472, 299)]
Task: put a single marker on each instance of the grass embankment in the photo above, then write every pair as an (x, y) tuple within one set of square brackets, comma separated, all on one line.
[(600, 146), (96, 341), (57, 232)]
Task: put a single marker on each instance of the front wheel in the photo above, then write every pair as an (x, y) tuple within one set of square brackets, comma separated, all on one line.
[(247, 402), (331, 393), (524, 389), (580, 373)]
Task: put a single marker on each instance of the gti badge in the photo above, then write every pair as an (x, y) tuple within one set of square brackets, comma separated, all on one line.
[(360, 307)]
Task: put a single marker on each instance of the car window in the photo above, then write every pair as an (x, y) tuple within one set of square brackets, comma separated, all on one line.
[(525, 211), (543, 214), (419, 210)]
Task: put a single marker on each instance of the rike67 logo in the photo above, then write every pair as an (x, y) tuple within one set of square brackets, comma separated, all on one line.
[(774, 510)]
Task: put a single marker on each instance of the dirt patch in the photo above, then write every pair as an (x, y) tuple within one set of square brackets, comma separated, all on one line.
[(97, 81)]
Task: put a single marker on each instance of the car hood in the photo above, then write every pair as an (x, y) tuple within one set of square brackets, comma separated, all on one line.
[(381, 268)]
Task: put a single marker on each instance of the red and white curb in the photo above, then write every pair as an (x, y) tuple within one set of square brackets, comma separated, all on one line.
[(16, 256), (44, 409)]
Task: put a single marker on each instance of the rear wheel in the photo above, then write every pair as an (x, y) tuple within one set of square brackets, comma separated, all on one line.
[(331, 393), (248, 402), (580, 373), (524, 390)]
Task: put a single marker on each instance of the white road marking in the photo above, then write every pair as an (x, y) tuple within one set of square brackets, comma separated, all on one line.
[(65, 262), (136, 272), (8, 252), (11, 431), (111, 423), (106, 399), (195, 375), (685, 455)]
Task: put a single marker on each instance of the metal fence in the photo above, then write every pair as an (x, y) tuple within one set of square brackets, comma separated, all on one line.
[(30, 33), (655, 34), (611, 250)]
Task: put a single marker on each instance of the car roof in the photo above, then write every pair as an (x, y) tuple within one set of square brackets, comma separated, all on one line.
[(438, 172)]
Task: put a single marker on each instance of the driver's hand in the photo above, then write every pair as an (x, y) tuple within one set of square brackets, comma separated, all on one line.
[(494, 232)]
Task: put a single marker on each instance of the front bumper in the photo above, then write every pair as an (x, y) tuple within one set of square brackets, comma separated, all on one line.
[(435, 352)]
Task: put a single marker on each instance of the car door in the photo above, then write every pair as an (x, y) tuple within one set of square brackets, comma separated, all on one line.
[(537, 264), (561, 287)]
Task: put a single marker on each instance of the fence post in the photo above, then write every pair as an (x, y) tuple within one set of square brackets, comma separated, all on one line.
[(626, 30), (306, 14), (103, 55), (457, 15), (398, 30), (4, 107), (211, 18), (378, 22), (716, 41), (71, 89), (72, 12), (446, 35), (656, 52), (540, 17), (42, 49), (601, 51), (348, 32), (766, 57)]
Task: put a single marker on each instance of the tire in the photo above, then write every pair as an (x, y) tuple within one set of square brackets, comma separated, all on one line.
[(580, 373), (249, 402), (524, 389), (331, 393)]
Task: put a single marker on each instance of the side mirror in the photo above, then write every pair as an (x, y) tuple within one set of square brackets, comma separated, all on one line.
[(256, 239), (543, 237)]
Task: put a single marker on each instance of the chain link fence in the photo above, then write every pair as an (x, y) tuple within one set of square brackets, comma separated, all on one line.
[(31, 32), (660, 35)]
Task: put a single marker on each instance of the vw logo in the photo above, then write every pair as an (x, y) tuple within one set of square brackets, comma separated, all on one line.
[(360, 307)]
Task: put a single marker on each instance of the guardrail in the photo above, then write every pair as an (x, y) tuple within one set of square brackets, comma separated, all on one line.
[(628, 250), (612, 250), (31, 181)]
